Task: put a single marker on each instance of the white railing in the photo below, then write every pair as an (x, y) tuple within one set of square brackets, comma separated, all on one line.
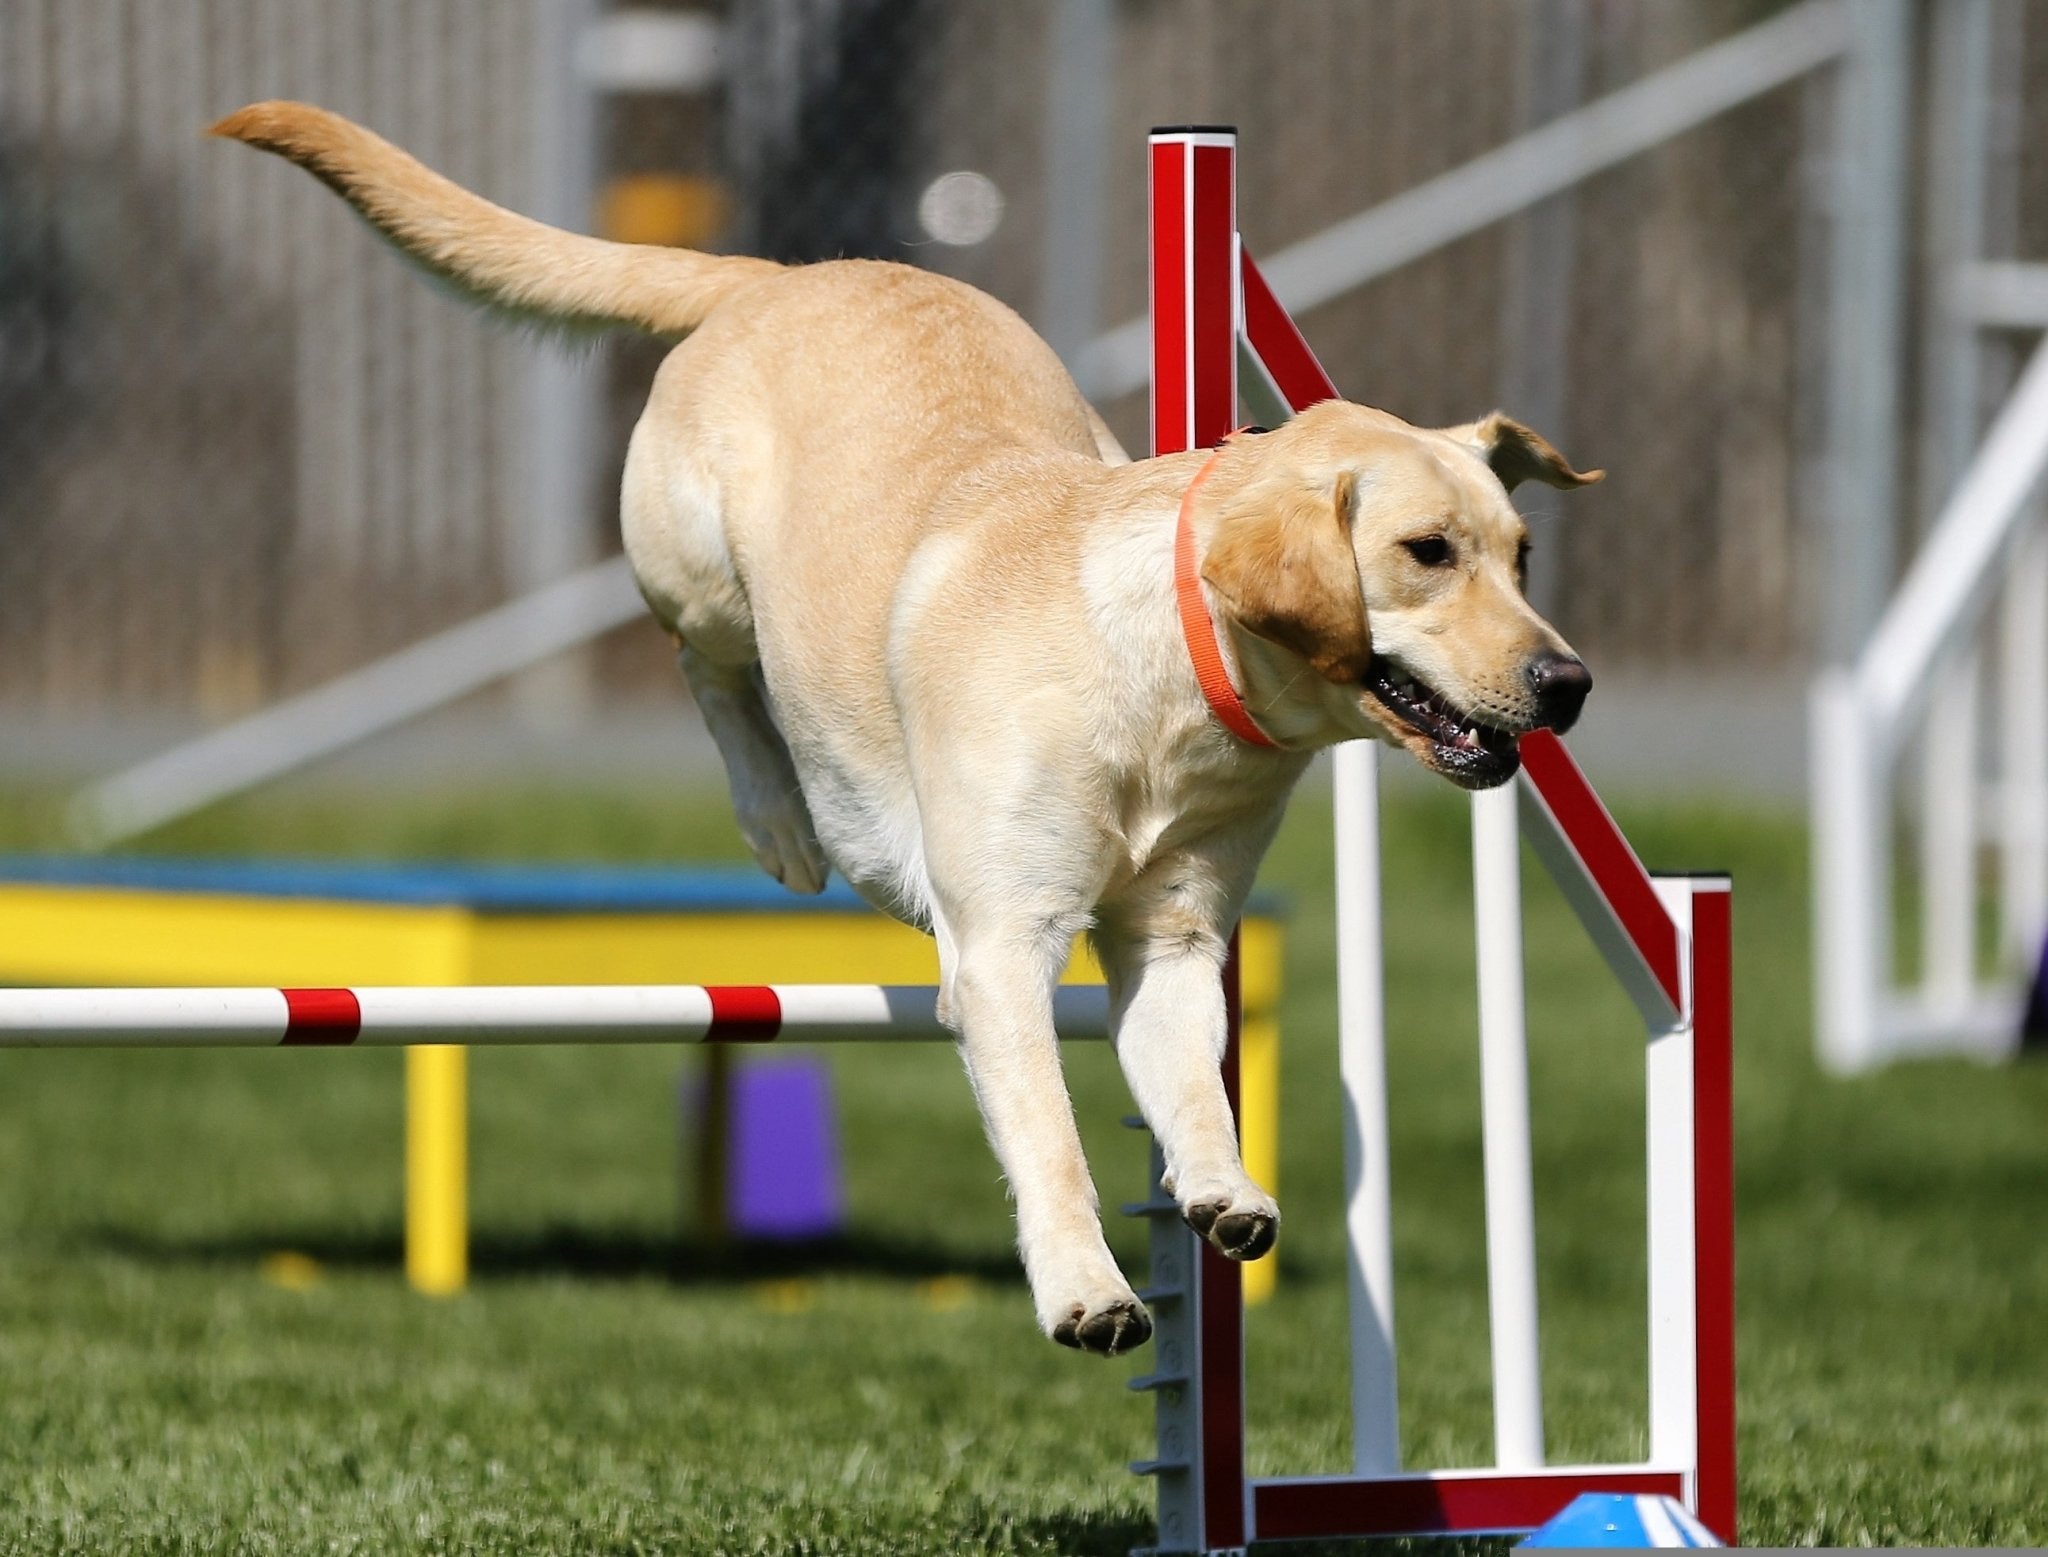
[(1953, 667), (1920, 669)]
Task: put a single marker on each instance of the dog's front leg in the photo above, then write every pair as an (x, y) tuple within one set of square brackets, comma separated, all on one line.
[(1168, 1022), (999, 1000)]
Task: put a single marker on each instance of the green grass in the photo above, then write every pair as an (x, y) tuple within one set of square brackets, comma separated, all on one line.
[(607, 1385)]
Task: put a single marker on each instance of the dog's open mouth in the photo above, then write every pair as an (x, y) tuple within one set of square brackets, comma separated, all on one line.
[(1463, 748)]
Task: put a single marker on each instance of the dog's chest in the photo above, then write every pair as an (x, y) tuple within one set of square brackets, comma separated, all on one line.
[(1209, 796)]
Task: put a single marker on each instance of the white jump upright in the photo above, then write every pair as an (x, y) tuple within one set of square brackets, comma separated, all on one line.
[(1504, 1126), (1667, 941), (1362, 1070)]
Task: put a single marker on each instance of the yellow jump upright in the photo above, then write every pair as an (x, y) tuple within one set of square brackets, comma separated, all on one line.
[(1259, 942), (437, 1169)]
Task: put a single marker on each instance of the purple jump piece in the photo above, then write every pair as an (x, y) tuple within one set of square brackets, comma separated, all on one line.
[(782, 1155), (2034, 1024)]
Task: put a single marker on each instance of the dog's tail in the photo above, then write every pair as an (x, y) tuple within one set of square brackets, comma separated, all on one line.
[(506, 261)]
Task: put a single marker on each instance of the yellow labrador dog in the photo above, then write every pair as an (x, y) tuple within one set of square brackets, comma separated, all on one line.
[(929, 610)]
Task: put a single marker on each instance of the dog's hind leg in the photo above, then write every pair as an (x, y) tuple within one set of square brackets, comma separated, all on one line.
[(766, 798), (675, 534)]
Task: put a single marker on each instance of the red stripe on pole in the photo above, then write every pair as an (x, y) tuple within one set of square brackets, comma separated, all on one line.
[(316, 1017), (1421, 1505), (1611, 864), (1278, 341), (1713, 1127), (1212, 268), (1221, 1326), (1169, 297), (743, 1013)]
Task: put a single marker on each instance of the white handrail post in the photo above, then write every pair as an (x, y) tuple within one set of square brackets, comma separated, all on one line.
[(1362, 1067), (1078, 93), (2023, 757), (1851, 875), (1510, 1179), (1867, 295), (1962, 40), (1948, 843), (1957, 219), (553, 533)]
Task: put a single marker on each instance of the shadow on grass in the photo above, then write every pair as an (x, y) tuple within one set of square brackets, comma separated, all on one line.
[(583, 1252), (1102, 1534), (1099, 1533)]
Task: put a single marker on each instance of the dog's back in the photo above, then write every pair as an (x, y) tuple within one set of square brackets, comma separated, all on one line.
[(796, 453), (848, 390)]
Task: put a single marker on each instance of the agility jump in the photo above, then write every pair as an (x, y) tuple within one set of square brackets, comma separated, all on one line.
[(1665, 939), (1667, 942)]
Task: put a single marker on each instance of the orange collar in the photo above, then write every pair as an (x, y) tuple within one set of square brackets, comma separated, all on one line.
[(1198, 631)]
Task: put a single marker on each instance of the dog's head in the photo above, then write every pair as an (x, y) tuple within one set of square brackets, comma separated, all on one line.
[(1389, 558)]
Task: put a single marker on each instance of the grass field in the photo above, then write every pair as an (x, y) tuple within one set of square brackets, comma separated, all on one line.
[(206, 1346)]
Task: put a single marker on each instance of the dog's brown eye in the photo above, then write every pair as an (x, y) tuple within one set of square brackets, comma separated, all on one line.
[(1522, 565), (1432, 551)]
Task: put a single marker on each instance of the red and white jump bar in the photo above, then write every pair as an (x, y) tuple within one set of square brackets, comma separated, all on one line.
[(495, 1015)]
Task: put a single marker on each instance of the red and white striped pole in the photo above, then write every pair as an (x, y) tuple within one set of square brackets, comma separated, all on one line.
[(369, 1018), (1194, 286), (1195, 312), (1689, 1101)]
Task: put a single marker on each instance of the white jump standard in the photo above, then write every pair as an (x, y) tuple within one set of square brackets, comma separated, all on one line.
[(1667, 942)]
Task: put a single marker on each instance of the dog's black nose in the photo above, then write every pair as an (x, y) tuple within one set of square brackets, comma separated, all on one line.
[(1560, 683)]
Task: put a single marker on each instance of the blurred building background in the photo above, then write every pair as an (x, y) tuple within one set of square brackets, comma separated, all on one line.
[(243, 450)]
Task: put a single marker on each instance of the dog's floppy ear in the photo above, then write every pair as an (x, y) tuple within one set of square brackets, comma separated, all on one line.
[(1517, 453), (1281, 563)]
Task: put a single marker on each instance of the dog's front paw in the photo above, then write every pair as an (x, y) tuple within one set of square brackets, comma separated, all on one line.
[(1108, 1329), (1242, 1226)]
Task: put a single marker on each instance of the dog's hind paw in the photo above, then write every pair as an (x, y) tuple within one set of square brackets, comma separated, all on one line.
[(1109, 1331), (1241, 1228), (785, 843)]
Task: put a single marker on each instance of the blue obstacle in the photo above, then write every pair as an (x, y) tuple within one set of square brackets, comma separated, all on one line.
[(1623, 1519)]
